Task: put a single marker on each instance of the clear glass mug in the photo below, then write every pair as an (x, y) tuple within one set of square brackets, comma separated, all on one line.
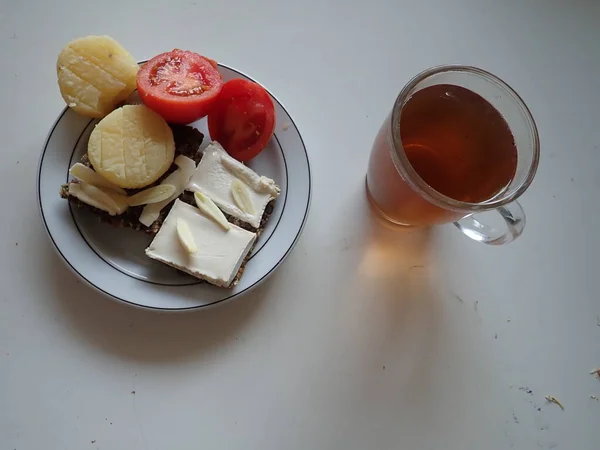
[(401, 196)]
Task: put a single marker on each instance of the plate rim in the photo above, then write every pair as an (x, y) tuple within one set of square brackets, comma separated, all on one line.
[(181, 309)]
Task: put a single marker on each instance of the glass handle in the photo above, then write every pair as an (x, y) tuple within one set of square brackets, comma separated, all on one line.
[(513, 216)]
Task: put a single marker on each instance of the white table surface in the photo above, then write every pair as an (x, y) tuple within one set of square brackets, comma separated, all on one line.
[(351, 344)]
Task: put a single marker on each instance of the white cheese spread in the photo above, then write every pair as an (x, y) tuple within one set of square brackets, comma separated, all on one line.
[(215, 174), (219, 253)]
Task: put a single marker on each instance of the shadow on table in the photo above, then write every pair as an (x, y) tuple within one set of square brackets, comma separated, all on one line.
[(140, 334), (395, 319)]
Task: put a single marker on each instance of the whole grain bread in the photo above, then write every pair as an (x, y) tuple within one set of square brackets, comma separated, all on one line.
[(187, 143)]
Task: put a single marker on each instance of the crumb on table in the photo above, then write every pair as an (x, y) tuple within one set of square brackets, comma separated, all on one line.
[(553, 399)]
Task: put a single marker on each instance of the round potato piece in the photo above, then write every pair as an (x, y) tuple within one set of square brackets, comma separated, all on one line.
[(95, 74), (132, 147)]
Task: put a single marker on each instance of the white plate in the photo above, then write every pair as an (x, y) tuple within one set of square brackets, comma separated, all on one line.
[(112, 260)]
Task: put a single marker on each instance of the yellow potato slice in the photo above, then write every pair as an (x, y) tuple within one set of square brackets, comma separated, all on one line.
[(95, 74), (131, 147)]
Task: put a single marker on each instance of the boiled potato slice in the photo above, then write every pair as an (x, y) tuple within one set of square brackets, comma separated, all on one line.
[(95, 74), (131, 147)]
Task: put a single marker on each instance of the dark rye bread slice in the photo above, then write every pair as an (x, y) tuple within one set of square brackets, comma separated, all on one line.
[(187, 143), (188, 197)]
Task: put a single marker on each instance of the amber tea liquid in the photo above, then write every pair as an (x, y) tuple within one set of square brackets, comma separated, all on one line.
[(456, 141)]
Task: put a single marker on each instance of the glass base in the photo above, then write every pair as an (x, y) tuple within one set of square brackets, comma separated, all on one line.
[(390, 222)]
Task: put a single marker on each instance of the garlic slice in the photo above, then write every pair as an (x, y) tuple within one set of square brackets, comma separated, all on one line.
[(75, 190), (185, 236), (94, 192), (180, 178), (107, 201), (120, 200), (212, 211), (151, 195), (241, 196), (85, 174)]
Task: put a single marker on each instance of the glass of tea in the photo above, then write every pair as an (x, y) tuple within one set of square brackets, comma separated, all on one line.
[(457, 142)]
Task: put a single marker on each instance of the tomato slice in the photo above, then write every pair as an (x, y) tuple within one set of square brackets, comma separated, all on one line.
[(179, 85), (242, 119)]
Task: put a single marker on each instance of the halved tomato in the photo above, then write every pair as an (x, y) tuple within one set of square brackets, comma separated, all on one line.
[(242, 119), (179, 85)]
